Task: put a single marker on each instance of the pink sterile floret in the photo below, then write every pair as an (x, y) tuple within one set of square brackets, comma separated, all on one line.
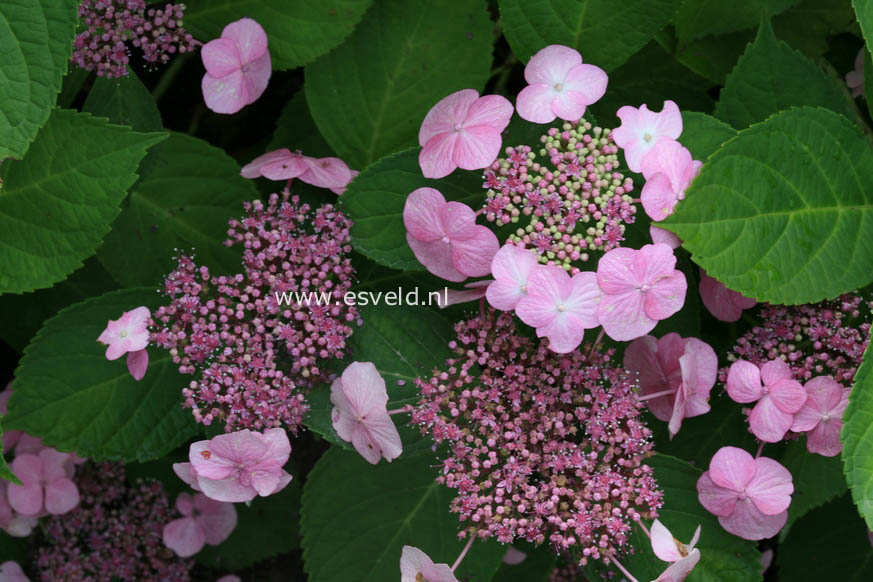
[(45, 484), (855, 77), (749, 496), (668, 170), (511, 267), (821, 417), (662, 236), (462, 131), (724, 304), (238, 66), (129, 335), (11, 521), (360, 415), (12, 572), (560, 307), (778, 398), (283, 164), (203, 521), (445, 237), (559, 85), (683, 369), (640, 288), (641, 130), (683, 557), (416, 566)]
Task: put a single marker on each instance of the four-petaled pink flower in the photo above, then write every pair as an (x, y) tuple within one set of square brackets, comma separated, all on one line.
[(511, 268), (238, 66), (681, 370), (445, 237), (683, 557), (360, 415), (778, 398), (559, 85), (668, 170), (238, 466), (12, 572), (724, 304), (45, 484), (129, 334), (283, 164), (416, 566), (821, 416), (640, 288), (203, 521), (749, 496), (560, 307), (462, 131), (641, 130)]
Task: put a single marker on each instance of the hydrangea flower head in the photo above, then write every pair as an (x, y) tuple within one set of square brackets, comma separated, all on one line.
[(511, 268), (821, 416), (416, 566), (360, 415), (778, 396), (559, 85), (462, 131), (45, 484), (641, 130), (203, 521), (724, 304), (668, 170), (238, 66)]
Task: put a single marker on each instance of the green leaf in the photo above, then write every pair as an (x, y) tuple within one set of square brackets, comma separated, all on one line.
[(770, 77), (864, 13), (697, 18), (830, 543), (187, 192), (12, 548), (808, 26), (69, 395), (125, 101), (817, 479), (712, 57), (298, 32), (402, 59), (537, 565), (5, 473), (36, 41), (60, 200), (606, 34), (857, 439), (375, 200), (783, 211), (868, 80), (296, 130), (371, 512), (703, 134)]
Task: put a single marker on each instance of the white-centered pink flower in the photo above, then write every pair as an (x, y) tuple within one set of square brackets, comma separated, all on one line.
[(681, 371), (283, 164), (204, 521), (668, 170), (640, 287), (641, 130), (511, 267), (416, 566), (45, 487), (445, 237), (750, 496), (360, 415), (12, 572), (777, 394), (462, 131), (559, 85), (821, 416), (129, 334), (724, 304), (238, 66), (684, 557), (560, 307)]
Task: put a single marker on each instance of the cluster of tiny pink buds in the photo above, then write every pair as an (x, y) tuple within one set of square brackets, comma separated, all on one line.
[(108, 25), (568, 572), (258, 340), (820, 339), (114, 533), (543, 447), (574, 204)]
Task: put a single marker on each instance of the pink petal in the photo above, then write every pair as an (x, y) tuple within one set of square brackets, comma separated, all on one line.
[(565, 333), (788, 395), (723, 303), (185, 504), (384, 436), (732, 468), (227, 94), (61, 496), (26, 499), (582, 299), (824, 439), (551, 64), (12, 572), (230, 490), (278, 446), (436, 256), (423, 215), (654, 262), (290, 167), (827, 394), (476, 147), (256, 77), (138, 363), (184, 536), (750, 524), (547, 287), (472, 256), (415, 565), (664, 237), (744, 382), (534, 103), (663, 543), (666, 296), (616, 271), (623, 317), (365, 445), (514, 557), (511, 268), (667, 157), (474, 290), (640, 357), (767, 422), (364, 388), (658, 197), (451, 111), (327, 173), (699, 380), (771, 487), (265, 481), (493, 111), (186, 473), (586, 83), (27, 467), (216, 519), (459, 220), (679, 571), (437, 156), (717, 500), (253, 168), (774, 371), (249, 38), (220, 57)]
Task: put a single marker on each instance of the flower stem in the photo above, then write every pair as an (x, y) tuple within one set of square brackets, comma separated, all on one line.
[(627, 574), (760, 449), (666, 392), (644, 528), (595, 344), (401, 410), (463, 553)]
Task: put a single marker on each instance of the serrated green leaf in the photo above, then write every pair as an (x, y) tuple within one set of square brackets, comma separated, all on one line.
[(66, 392), (375, 200), (401, 60), (36, 41), (702, 134), (186, 194), (371, 512), (697, 18), (864, 14), (296, 130), (857, 439), (298, 32), (57, 203), (605, 33), (125, 101), (713, 57), (770, 77), (808, 26), (817, 479), (783, 211), (5, 473), (868, 80)]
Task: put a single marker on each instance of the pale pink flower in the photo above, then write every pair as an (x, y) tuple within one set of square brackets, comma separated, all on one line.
[(203, 521), (668, 170), (821, 416), (331, 173), (11, 521), (239, 466), (683, 557), (416, 566), (679, 571), (45, 484), (665, 237), (559, 85), (683, 370), (462, 131), (778, 398), (473, 290), (724, 304), (749, 496), (640, 288), (281, 165), (445, 237), (238, 67), (511, 267), (560, 307), (12, 572), (641, 130), (129, 334), (855, 77), (360, 415)]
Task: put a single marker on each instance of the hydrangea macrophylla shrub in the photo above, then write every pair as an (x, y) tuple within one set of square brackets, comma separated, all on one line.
[(821, 417), (283, 164), (724, 304), (668, 170), (540, 439), (238, 67), (776, 394), (129, 335), (641, 130), (204, 521)]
